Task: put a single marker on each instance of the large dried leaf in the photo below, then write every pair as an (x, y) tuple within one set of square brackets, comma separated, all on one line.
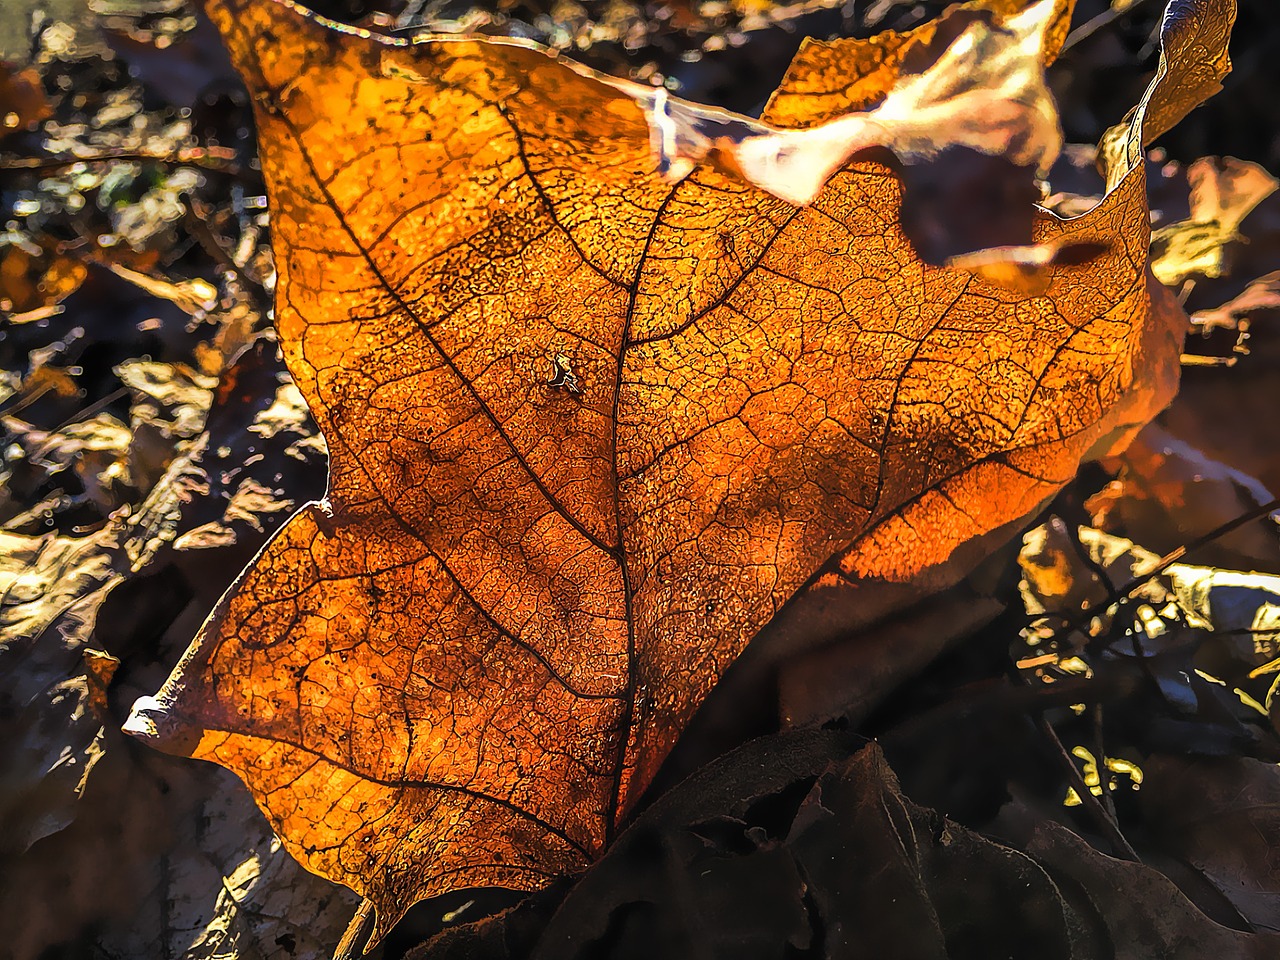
[(591, 430)]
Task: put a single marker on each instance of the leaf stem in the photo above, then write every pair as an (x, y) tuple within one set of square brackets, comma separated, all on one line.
[(353, 942)]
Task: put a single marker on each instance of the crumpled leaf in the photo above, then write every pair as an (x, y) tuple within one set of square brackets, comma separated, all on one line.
[(52, 588), (828, 79), (984, 93), (162, 861), (590, 431), (1193, 62), (224, 889), (137, 853), (1223, 192)]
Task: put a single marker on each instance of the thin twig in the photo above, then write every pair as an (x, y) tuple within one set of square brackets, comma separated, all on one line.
[(1100, 755), (1127, 592), (214, 158), (23, 402), (1103, 820), (92, 408), (1173, 556)]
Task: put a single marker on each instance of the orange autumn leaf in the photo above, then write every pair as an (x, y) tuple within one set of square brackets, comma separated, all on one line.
[(592, 427)]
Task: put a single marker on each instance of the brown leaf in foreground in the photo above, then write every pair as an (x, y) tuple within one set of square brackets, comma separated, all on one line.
[(591, 430), (1221, 816), (1154, 919), (805, 842)]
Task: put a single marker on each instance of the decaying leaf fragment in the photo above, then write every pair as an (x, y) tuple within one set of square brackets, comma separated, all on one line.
[(1223, 192), (463, 667)]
